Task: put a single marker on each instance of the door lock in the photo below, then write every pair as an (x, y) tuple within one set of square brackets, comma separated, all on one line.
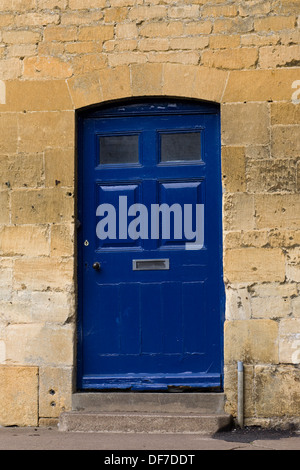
[(97, 266)]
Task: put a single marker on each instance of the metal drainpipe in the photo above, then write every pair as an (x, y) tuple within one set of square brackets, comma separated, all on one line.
[(240, 408)]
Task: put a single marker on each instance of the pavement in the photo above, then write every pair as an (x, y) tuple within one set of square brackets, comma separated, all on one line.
[(50, 438)]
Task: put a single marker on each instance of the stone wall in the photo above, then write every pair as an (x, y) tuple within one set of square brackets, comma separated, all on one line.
[(59, 55)]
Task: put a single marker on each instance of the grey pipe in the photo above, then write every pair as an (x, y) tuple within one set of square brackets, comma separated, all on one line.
[(240, 407)]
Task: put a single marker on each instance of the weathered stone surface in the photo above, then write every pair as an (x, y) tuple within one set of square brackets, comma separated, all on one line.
[(36, 343), (85, 89), (286, 141), (59, 167), (55, 391), (42, 206), (37, 95), (62, 240), (29, 240), (289, 341), (40, 130), (43, 273), (293, 264), (277, 391), (22, 171), (234, 169), (272, 175), (238, 212), (277, 211), (245, 124), (254, 265), (251, 341), (146, 79), (260, 85), (19, 395)]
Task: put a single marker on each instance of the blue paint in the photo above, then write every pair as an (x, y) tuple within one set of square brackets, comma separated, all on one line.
[(149, 329)]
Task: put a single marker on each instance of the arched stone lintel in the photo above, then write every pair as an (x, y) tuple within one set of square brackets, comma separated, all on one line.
[(178, 80), (148, 80)]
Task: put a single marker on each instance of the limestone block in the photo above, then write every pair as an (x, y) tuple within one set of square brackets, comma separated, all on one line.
[(159, 29), (43, 273), (289, 340), (277, 391), (233, 25), (21, 36), (119, 59), (115, 83), (197, 82), (238, 212), (285, 141), (85, 18), (37, 19), (230, 59), (146, 79), (254, 264), (29, 240), (261, 85), (96, 33), (62, 240), (60, 33), (293, 264), (42, 206), (40, 344), (8, 127), (233, 169), (280, 56), (251, 341), (238, 306), (18, 395), (285, 113), (4, 204), (245, 124), (49, 4), (284, 238), (86, 5), (46, 67), (22, 171), (39, 130), (88, 63), (55, 391), (276, 175), (10, 69), (277, 211), (36, 307), (85, 89), (59, 167), (52, 307), (274, 23), (270, 307), (37, 95), (148, 12)]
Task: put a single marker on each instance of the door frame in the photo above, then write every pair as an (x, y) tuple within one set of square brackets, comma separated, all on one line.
[(80, 115)]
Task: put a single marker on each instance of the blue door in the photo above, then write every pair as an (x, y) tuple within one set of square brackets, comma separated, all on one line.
[(150, 286)]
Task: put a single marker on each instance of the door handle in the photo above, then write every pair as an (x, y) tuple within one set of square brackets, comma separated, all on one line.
[(97, 266)]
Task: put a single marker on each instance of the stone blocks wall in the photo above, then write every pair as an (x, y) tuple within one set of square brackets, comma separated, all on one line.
[(59, 55)]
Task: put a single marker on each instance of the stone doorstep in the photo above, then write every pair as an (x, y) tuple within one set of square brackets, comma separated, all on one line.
[(199, 413), (82, 421)]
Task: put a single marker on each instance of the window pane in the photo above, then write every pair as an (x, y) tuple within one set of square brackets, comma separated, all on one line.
[(119, 149), (180, 147)]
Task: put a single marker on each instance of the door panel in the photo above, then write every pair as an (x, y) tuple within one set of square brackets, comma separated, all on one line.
[(143, 170)]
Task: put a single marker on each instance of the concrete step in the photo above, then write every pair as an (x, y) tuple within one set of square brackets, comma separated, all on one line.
[(208, 403), (89, 421), (199, 413)]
